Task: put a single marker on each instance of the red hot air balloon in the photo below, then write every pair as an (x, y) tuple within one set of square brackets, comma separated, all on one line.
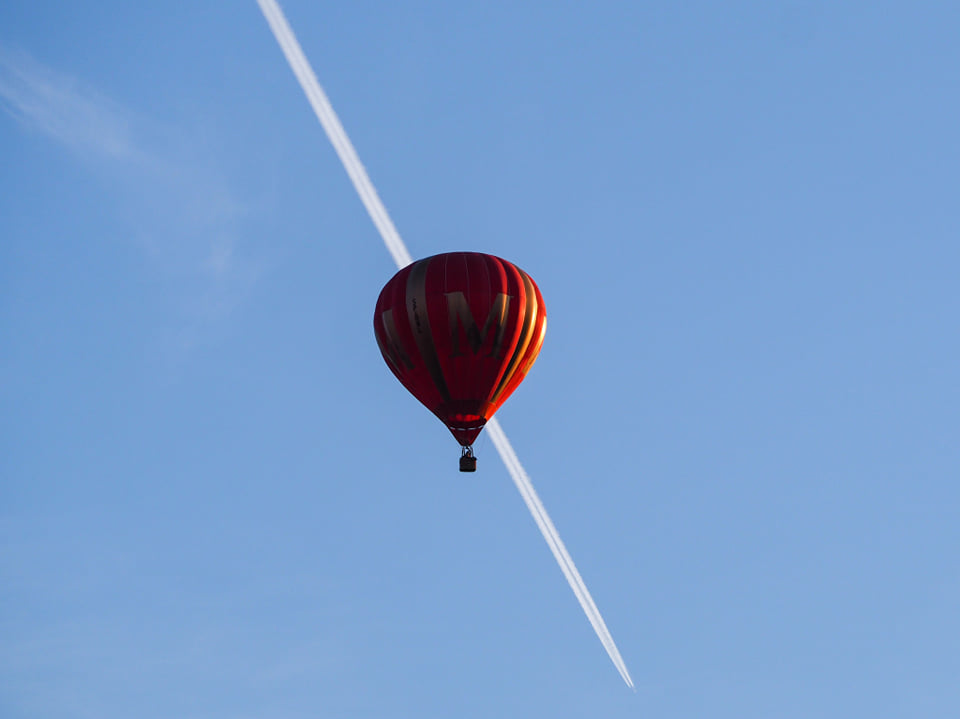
[(460, 331)]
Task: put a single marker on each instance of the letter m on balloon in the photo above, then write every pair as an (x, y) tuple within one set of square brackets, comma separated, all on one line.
[(461, 318)]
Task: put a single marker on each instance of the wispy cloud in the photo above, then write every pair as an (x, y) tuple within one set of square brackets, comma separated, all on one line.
[(61, 107), (181, 209)]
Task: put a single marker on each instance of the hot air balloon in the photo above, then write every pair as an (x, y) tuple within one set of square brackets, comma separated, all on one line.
[(460, 330)]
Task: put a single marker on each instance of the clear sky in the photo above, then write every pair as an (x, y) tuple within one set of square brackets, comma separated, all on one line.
[(216, 500)]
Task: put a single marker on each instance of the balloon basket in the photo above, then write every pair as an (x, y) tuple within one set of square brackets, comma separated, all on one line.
[(468, 463)]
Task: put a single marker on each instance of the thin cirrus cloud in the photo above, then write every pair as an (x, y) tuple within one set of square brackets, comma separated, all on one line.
[(60, 107), (180, 208)]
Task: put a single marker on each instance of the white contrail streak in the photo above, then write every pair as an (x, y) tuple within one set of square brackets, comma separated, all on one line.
[(378, 213), (560, 553), (331, 125)]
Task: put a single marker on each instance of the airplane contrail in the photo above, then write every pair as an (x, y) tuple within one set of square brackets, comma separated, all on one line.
[(395, 245), (331, 125), (560, 553)]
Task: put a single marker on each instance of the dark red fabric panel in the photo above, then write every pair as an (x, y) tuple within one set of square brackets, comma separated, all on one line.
[(397, 340)]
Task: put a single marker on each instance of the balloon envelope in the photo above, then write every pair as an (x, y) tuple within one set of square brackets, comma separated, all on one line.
[(460, 330)]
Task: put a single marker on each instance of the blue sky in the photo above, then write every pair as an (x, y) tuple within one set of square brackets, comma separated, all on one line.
[(218, 502)]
